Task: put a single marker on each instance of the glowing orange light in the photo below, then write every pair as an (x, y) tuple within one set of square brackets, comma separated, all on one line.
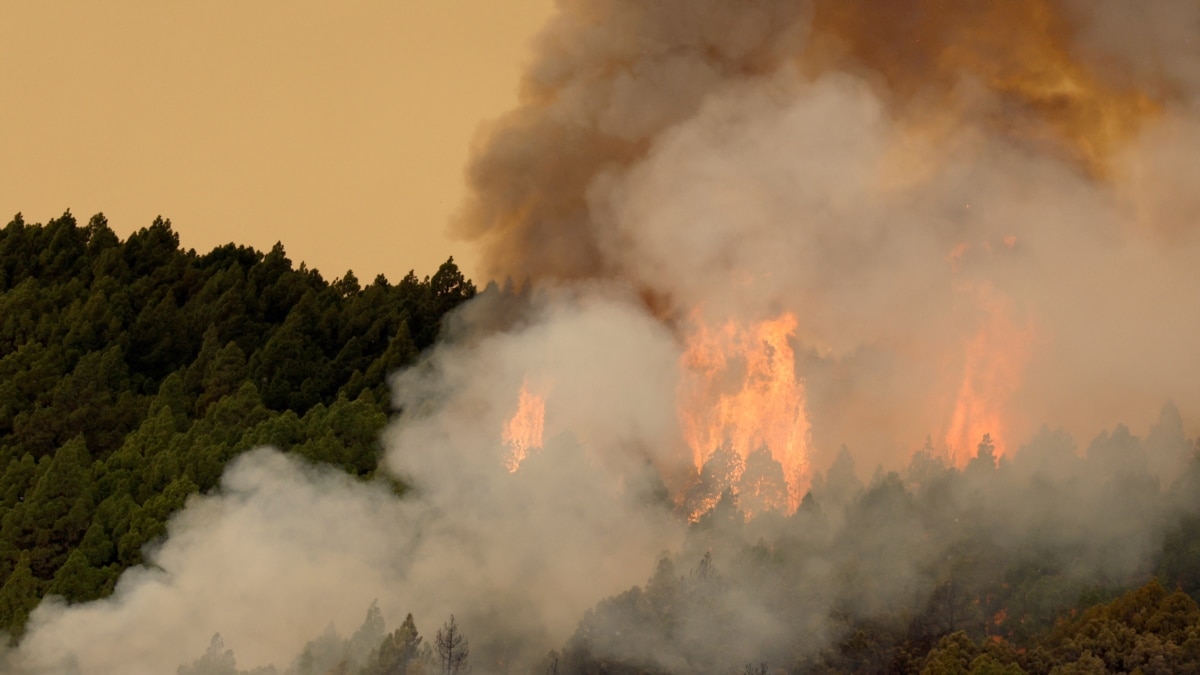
[(992, 366), (523, 431), (740, 399), (1022, 51)]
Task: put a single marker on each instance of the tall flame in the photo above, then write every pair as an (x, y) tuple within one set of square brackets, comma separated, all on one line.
[(738, 396), (523, 431), (993, 360)]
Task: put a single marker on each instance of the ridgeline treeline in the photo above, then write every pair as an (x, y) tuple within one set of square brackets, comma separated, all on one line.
[(132, 371)]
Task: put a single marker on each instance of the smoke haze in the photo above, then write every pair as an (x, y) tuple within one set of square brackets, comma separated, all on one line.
[(983, 218), (907, 178)]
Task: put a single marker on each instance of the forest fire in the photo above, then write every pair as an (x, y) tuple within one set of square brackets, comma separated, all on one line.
[(747, 257), (971, 127), (738, 396), (523, 431), (741, 416), (993, 359)]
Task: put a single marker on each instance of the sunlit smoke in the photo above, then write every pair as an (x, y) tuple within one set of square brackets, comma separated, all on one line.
[(826, 160), (936, 60), (754, 233)]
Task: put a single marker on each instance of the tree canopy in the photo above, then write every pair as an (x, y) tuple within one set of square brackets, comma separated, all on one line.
[(132, 371)]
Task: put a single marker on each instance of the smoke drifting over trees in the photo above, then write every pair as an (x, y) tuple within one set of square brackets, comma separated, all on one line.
[(971, 218), (906, 177)]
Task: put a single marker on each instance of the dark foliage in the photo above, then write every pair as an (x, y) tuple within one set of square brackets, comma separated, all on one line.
[(1005, 566), (132, 371)]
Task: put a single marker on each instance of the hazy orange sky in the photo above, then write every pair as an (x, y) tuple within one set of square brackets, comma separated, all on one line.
[(340, 129)]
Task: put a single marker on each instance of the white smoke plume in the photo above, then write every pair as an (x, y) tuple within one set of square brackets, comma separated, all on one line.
[(909, 179), (997, 203), (281, 551), (284, 549)]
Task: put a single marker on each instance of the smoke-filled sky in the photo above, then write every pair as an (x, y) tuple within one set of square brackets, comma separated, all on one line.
[(340, 129), (965, 218), (981, 214)]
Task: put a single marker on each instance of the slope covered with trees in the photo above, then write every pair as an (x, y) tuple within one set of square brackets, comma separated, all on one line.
[(989, 569), (1047, 562), (132, 371)]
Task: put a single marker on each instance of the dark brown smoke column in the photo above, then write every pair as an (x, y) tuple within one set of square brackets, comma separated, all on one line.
[(925, 53), (612, 75)]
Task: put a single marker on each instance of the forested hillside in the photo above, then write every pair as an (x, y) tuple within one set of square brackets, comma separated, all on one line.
[(1047, 562), (132, 371)]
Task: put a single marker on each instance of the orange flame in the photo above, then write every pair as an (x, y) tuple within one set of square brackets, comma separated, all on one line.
[(741, 405), (523, 431), (993, 361)]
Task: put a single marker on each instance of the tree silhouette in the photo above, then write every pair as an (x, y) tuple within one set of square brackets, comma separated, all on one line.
[(452, 648)]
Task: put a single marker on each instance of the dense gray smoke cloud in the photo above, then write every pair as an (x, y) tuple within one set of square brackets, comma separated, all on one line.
[(990, 205), (992, 198), (283, 550), (609, 77)]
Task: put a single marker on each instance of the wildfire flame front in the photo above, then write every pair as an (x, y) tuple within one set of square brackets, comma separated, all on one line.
[(523, 431)]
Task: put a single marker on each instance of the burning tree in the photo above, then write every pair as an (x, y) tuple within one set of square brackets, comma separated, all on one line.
[(523, 431)]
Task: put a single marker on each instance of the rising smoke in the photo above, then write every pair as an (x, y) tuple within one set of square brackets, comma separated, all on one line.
[(910, 179), (982, 216)]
